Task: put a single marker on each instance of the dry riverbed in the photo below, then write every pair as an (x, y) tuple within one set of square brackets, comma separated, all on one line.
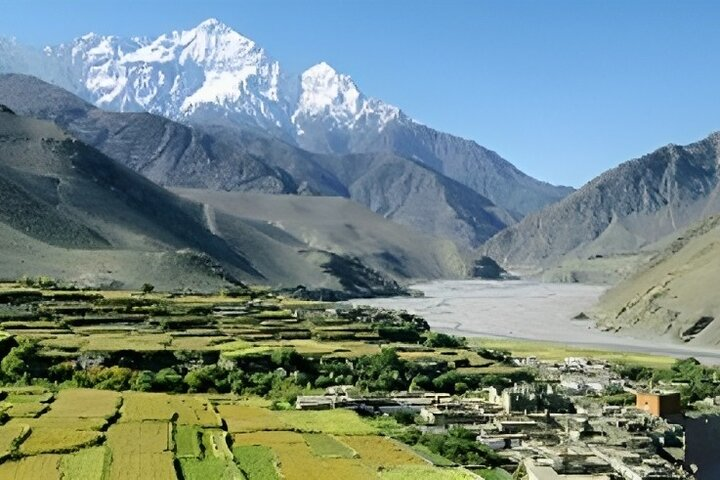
[(527, 311)]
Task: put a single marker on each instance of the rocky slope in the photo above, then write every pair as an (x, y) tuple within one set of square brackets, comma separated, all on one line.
[(675, 294), (341, 226), (70, 212), (212, 75), (218, 158), (619, 212)]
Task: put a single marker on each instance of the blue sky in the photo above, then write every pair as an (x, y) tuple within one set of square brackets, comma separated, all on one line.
[(563, 89)]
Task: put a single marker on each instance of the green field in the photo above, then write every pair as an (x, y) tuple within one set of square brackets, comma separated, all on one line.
[(558, 352), (324, 445), (257, 462), (153, 440)]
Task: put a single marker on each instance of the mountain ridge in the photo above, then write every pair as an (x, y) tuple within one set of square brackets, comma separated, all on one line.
[(72, 213), (218, 158), (623, 210), (211, 74)]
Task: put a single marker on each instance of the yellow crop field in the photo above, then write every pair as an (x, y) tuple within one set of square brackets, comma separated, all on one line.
[(134, 466), (248, 418), (58, 440), (189, 410), (85, 403), (137, 438), (138, 406), (26, 409), (381, 452), (297, 462), (10, 435), (45, 467), (69, 423), (194, 410)]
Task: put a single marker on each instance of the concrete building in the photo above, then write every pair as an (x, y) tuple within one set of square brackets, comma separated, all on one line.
[(543, 472), (663, 404)]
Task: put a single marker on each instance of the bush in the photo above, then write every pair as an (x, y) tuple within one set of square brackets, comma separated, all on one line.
[(441, 340), (459, 446), (110, 378), (210, 378), (17, 364)]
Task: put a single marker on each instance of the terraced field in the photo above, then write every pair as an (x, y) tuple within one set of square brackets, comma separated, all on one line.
[(127, 347), (89, 434)]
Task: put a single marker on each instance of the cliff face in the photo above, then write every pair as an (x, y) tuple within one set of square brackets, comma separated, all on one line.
[(675, 294)]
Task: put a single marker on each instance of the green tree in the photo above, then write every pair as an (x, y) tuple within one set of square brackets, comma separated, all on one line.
[(19, 361), (442, 340), (144, 381)]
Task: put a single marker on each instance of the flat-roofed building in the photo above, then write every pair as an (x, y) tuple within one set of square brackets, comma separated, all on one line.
[(660, 404)]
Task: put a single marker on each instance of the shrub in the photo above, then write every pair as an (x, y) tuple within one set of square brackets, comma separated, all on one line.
[(442, 340)]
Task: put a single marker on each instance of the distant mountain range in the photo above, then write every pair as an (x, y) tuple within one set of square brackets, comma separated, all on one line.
[(228, 159), (70, 212), (212, 75), (625, 210)]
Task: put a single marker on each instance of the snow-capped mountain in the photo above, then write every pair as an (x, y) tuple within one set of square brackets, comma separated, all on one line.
[(210, 68), (211, 74)]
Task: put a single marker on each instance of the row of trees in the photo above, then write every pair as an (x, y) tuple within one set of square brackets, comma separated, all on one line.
[(281, 373)]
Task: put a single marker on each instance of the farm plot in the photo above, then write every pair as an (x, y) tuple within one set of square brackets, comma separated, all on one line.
[(69, 423), (257, 462), (45, 467), (85, 403), (323, 445), (11, 436), (141, 450), (334, 422), (133, 466), (87, 464), (216, 460), (297, 462), (187, 441), (58, 440), (294, 458), (185, 409), (137, 438), (248, 418), (25, 409), (418, 472), (382, 452)]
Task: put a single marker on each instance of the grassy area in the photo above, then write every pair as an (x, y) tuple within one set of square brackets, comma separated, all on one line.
[(257, 462), (436, 459), (324, 445), (334, 422), (187, 441), (216, 461), (87, 464), (418, 472), (557, 352), (494, 474)]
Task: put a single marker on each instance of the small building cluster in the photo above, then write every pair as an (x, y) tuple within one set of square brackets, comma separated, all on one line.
[(557, 427)]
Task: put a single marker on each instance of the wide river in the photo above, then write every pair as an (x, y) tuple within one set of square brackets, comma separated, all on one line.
[(525, 310)]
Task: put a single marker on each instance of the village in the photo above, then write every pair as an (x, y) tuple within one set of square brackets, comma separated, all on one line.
[(567, 424)]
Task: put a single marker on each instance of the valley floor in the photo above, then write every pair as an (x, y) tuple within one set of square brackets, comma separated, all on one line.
[(526, 310)]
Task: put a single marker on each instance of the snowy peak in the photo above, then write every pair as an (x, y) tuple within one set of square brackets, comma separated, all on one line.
[(208, 73), (323, 90), (333, 97)]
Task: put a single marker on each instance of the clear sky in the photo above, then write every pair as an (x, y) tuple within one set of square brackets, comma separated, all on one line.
[(563, 89)]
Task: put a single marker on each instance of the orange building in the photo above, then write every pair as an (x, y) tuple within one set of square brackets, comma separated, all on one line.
[(659, 404)]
